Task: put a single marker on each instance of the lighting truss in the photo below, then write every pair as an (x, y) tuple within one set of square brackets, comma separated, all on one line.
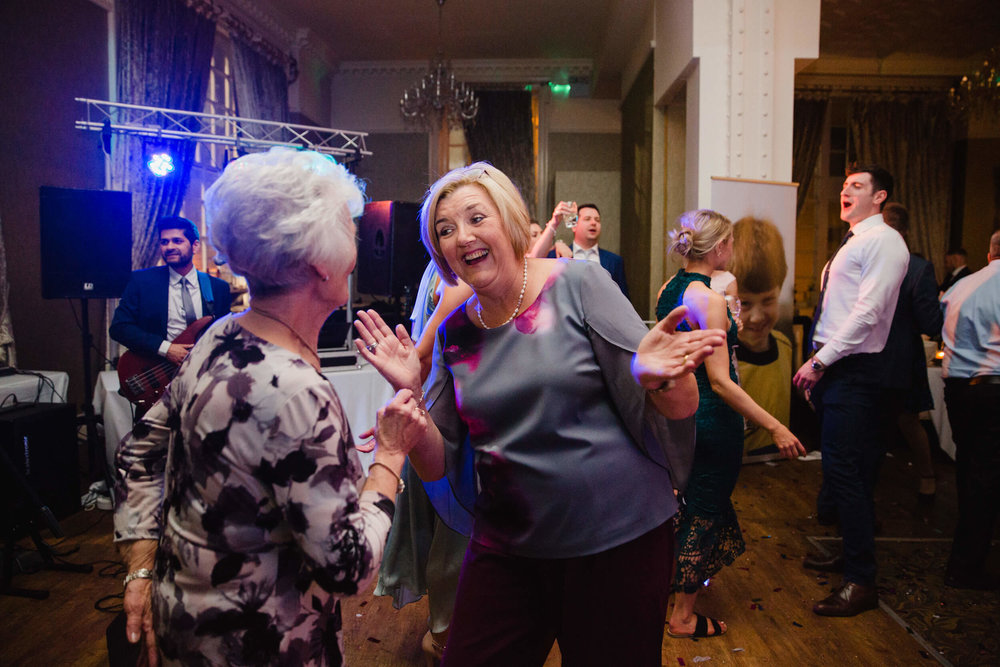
[(241, 133)]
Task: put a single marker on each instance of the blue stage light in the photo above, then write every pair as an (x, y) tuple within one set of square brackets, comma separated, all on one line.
[(161, 164)]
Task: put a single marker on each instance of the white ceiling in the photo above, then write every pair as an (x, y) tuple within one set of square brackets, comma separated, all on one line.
[(602, 30)]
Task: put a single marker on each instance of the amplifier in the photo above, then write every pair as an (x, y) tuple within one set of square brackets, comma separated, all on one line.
[(39, 439)]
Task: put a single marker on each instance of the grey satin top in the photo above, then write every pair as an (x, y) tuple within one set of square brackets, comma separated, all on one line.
[(571, 458)]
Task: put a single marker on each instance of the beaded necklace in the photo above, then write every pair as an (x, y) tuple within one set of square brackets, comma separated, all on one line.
[(479, 306)]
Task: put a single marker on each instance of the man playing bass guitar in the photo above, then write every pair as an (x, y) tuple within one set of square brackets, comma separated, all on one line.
[(162, 302)]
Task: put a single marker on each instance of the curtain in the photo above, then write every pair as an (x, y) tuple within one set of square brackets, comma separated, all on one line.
[(502, 135), (7, 353), (807, 138), (261, 85), (912, 138), (164, 54)]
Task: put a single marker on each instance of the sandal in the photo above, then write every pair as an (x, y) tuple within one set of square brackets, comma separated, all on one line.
[(700, 629)]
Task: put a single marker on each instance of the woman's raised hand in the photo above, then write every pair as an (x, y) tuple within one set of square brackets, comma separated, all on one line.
[(393, 355), (665, 354)]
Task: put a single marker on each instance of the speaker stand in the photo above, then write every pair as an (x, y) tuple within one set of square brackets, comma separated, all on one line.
[(95, 450), (22, 514)]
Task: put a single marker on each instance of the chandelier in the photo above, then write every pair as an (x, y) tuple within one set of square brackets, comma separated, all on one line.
[(438, 94), (978, 94)]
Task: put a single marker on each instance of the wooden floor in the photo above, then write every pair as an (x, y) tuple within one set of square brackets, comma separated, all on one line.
[(765, 597)]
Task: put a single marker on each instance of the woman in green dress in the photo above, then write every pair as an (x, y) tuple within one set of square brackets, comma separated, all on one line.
[(708, 534)]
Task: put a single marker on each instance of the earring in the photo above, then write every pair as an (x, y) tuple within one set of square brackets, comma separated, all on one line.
[(325, 278)]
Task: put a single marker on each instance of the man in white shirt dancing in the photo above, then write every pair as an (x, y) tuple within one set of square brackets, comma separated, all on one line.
[(858, 294)]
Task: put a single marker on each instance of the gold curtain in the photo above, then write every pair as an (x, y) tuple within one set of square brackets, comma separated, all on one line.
[(807, 140), (912, 138)]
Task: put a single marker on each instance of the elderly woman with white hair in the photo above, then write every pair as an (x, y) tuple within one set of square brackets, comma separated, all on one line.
[(241, 510), (577, 417)]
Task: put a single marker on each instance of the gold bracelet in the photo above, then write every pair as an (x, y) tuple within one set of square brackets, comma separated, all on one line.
[(400, 485), (666, 386)]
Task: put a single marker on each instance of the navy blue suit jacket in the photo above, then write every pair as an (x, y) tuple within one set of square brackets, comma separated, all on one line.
[(613, 264), (140, 321), (917, 312)]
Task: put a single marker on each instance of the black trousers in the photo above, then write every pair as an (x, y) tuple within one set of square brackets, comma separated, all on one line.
[(850, 402), (975, 427)]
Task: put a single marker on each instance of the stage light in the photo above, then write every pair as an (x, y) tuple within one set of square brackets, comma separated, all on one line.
[(161, 164)]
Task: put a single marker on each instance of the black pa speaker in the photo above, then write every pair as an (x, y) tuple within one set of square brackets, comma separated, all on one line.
[(391, 256), (39, 439), (86, 242)]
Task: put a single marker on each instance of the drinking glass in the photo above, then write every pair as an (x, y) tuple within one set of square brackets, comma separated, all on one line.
[(569, 219)]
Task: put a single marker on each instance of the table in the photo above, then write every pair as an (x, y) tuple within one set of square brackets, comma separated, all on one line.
[(361, 389), (939, 415), (28, 387)]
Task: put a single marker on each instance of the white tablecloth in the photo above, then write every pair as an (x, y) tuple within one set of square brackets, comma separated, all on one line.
[(361, 389), (939, 415), (25, 387)]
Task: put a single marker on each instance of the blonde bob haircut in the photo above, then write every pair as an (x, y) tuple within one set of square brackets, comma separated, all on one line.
[(273, 215), (501, 190), (698, 232)]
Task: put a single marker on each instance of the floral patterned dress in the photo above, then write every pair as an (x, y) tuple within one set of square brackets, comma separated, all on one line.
[(708, 533), (245, 472)]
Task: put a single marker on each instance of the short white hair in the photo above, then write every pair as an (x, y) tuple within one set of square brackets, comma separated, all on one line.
[(272, 215)]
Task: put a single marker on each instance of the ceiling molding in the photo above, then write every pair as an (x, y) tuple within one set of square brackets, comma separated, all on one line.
[(882, 83), (486, 71), (262, 19)]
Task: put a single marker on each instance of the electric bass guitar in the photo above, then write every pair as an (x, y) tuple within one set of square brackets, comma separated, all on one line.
[(144, 378)]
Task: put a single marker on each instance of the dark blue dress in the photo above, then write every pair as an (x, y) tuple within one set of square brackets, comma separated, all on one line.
[(708, 534)]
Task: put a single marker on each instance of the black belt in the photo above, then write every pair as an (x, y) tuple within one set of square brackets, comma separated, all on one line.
[(972, 382)]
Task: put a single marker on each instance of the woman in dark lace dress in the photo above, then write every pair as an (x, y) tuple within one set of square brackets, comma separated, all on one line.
[(241, 509), (708, 534)]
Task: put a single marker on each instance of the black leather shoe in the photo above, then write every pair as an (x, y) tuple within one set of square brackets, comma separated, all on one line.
[(824, 563), (849, 600)]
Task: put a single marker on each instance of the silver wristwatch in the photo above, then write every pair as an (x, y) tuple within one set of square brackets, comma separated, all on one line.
[(817, 365)]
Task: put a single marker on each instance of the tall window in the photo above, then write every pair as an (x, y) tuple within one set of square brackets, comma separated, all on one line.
[(458, 149)]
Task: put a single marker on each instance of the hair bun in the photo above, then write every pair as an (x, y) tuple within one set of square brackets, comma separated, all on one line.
[(683, 240)]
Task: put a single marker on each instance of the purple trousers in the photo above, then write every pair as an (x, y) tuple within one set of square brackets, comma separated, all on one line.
[(604, 609)]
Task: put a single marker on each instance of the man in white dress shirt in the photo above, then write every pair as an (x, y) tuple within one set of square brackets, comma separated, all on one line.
[(859, 289)]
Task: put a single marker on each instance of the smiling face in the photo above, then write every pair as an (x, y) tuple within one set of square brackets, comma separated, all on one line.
[(473, 240), (588, 228), (176, 250), (759, 314), (858, 198)]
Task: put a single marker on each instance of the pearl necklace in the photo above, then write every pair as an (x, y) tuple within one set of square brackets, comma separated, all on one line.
[(271, 316), (479, 306)]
